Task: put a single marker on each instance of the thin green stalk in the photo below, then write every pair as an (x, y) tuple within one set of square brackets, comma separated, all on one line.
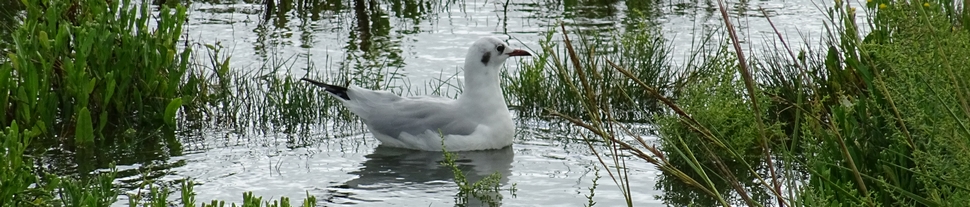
[(752, 95)]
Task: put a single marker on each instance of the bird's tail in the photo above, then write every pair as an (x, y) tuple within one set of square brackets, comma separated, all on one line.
[(335, 90)]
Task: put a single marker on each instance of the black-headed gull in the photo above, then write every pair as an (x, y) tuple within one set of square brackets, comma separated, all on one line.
[(477, 120)]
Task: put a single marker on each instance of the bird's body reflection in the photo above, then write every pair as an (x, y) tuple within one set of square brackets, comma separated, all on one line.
[(389, 165), (391, 174)]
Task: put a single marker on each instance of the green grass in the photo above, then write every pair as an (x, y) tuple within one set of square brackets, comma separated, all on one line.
[(879, 119), (550, 78), (874, 119), (96, 79), (79, 68)]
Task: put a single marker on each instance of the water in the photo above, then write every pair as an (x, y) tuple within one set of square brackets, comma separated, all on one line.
[(548, 166), (341, 163), (421, 39)]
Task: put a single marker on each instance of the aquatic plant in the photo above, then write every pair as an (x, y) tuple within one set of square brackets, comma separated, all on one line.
[(77, 68), (547, 80), (486, 190), (873, 120), (877, 118)]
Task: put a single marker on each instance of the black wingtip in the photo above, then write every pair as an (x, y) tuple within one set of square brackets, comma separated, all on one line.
[(335, 90)]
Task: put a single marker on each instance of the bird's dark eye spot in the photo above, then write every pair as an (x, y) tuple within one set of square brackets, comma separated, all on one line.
[(501, 48), (486, 57)]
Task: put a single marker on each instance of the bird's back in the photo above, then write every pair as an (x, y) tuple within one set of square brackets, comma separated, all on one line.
[(391, 116)]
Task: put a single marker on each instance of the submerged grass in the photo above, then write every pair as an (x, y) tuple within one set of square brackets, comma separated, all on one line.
[(878, 119), (486, 190)]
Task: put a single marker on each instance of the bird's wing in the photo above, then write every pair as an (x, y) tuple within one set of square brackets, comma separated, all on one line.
[(390, 114)]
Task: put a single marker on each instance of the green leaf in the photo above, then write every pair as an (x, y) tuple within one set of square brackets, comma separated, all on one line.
[(102, 121), (23, 112), (110, 90), (171, 109), (44, 41), (13, 60), (89, 88), (84, 133), (224, 68), (39, 129)]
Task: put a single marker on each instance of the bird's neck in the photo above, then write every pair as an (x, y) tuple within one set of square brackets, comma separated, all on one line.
[(482, 89)]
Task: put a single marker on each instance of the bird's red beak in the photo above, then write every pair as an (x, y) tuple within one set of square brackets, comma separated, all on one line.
[(518, 52)]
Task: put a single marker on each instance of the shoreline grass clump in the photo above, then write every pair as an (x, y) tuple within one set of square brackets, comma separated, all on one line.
[(717, 100), (102, 81), (874, 119), (79, 68)]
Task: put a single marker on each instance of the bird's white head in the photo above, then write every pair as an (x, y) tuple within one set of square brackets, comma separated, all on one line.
[(490, 52)]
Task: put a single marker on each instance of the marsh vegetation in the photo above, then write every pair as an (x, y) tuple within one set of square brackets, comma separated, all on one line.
[(99, 95)]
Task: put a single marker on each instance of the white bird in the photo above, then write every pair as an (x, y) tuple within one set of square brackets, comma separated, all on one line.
[(479, 119)]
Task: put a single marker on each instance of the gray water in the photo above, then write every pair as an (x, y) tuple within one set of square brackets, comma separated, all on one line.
[(341, 163)]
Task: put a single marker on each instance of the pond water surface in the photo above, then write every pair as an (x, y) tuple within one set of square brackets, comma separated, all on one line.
[(341, 163)]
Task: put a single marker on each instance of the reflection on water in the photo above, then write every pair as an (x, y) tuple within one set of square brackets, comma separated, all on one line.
[(548, 164), (391, 168), (347, 38), (421, 38), (278, 139)]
